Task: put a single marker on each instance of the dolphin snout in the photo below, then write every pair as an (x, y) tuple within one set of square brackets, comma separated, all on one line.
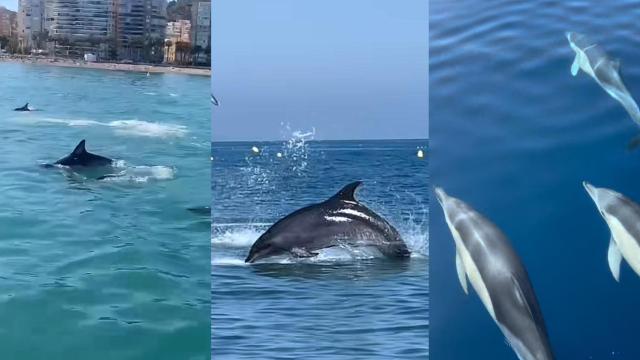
[(440, 195), (568, 35), (591, 190), (250, 258)]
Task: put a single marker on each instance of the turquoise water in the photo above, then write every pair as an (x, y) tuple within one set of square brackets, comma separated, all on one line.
[(344, 304), (514, 135), (113, 269)]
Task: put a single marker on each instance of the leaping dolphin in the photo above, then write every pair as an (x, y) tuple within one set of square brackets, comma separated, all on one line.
[(340, 220), (623, 218), (592, 59), (485, 256), (81, 157), (23, 108)]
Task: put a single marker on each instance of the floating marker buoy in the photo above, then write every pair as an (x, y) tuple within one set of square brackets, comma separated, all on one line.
[(279, 154), (420, 153), (212, 158), (255, 150)]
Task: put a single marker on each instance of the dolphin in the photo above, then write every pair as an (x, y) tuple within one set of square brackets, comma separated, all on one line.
[(485, 256), (23, 108), (340, 220), (592, 59), (81, 157), (623, 218)]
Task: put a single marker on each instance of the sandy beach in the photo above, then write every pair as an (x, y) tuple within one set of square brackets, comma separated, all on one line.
[(202, 71)]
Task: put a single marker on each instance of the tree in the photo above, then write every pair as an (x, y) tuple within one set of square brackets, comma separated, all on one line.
[(183, 49), (195, 52)]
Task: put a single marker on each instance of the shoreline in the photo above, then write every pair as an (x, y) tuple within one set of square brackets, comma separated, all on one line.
[(152, 69)]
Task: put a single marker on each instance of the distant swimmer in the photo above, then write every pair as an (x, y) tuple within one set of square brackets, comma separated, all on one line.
[(23, 108)]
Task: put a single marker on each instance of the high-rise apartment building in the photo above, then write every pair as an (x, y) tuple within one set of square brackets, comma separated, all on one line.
[(140, 27), (30, 23), (7, 19), (201, 28), (79, 19)]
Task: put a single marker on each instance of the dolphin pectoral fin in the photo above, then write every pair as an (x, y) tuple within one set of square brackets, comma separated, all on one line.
[(462, 276), (615, 258), (576, 65), (302, 253)]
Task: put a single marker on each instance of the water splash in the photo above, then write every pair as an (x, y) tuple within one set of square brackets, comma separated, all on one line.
[(296, 150)]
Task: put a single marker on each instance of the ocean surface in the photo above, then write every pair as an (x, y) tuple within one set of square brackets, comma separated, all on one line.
[(344, 304), (514, 135), (104, 269)]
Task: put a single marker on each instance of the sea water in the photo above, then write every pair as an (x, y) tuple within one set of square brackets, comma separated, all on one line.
[(514, 135), (104, 269), (343, 304)]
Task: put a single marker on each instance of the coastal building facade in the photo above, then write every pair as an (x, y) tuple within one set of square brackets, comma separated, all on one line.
[(201, 30), (178, 35), (133, 30), (77, 27), (30, 24), (140, 27), (7, 22)]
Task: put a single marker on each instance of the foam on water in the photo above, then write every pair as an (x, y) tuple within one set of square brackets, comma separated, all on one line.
[(150, 129), (226, 261), (131, 127), (140, 174)]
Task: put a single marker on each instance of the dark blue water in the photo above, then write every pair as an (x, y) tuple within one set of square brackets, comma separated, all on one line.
[(343, 304), (514, 134)]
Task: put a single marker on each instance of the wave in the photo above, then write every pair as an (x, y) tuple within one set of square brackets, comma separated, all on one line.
[(126, 127)]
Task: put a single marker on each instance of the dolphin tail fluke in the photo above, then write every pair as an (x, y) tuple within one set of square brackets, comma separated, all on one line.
[(462, 276), (576, 65), (615, 258)]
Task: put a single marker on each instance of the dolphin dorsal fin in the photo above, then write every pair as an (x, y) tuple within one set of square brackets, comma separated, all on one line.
[(348, 192), (79, 148)]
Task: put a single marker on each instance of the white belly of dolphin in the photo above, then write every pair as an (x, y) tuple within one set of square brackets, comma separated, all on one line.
[(472, 272), (626, 244)]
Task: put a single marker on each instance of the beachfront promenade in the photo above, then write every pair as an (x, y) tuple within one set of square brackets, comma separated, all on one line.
[(145, 68)]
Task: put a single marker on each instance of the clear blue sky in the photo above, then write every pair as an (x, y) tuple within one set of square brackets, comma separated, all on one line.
[(10, 4), (353, 69)]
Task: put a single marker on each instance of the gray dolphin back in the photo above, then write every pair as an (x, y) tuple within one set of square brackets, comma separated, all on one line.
[(512, 297), (81, 157), (339, 221)]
